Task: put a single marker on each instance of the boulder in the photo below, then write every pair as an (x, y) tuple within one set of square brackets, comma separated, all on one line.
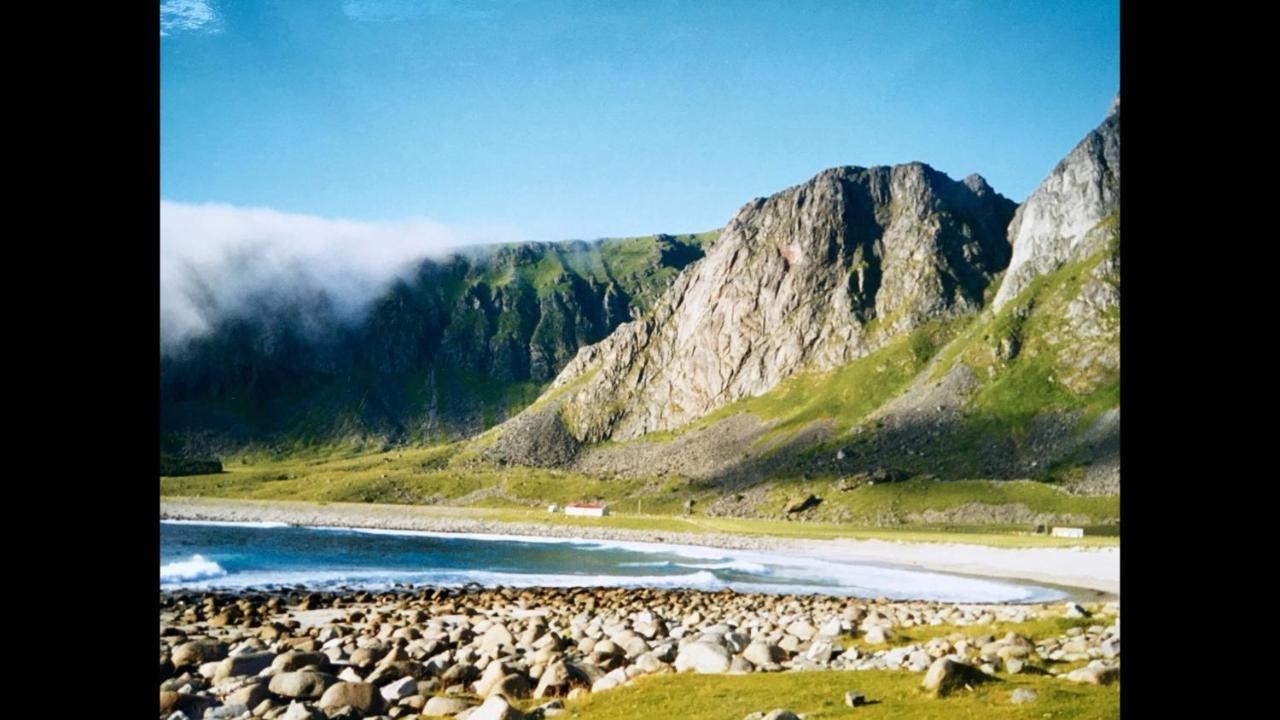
[(226, 712), (610, 681), (248, 663), (1095, 675), (399, 689), (762, 653), (297, 660), (362, 696), (298, 711), (831, 628), (197, 652), (497, 637), (192, 705), (495, 708), (301, 684), (945, 675), (1022, 695), (703, 657), (445, 706), (876, 635), (802, 630), (250, 695), (797, 505), (513, 686)]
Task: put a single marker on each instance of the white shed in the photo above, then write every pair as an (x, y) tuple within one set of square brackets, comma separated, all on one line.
[(1067, 532), (587, 509)]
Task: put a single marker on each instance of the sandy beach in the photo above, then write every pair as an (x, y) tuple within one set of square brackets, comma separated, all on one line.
[(1090, 568)]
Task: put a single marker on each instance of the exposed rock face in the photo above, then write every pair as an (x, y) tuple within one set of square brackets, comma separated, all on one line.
[(1053, 225), (810, 278)]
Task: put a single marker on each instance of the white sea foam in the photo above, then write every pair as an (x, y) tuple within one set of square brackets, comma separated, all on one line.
[(776, 572), (197, 568), (687, 551), (226, 523), (745, 566), (377, 577)]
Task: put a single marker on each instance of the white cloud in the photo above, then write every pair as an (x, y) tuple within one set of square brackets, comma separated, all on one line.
[(216, 259), (177, 16)]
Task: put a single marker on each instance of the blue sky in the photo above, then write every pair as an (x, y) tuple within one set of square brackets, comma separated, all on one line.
[(554, 120)]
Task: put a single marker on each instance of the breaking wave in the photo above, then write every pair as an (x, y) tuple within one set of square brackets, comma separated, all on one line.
[(197, 568)]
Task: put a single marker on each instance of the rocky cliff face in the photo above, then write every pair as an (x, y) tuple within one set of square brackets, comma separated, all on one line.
[(810, 278), (457, 347), (1053, 226), (845, 273)]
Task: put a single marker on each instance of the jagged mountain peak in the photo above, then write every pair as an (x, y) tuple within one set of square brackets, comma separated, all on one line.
[(809, 278), (1052, 226)]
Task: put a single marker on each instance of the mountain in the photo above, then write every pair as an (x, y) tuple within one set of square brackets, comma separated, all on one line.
[(869, 326), (857, 327), (456, 347), (1053, 225)]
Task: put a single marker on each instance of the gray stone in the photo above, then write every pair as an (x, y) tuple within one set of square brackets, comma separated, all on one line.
[(198, 652), (398, 689), (251, 695), (226, 712), (294, 660), (301, 684), (762, 653), (876, 635), (362, 696), (802, 630), (703, 657), (495, 708), (298, 711), (854, 699), (1023, 695), (446, 706), (1094, 675), (945, 675)]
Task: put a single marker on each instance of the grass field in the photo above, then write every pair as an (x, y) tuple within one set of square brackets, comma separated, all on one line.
[(820, 696)]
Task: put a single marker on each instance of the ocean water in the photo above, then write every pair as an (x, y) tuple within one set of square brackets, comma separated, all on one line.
[(206, 555)]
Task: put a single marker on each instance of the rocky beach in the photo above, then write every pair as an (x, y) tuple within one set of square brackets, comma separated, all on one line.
[(505, 653)]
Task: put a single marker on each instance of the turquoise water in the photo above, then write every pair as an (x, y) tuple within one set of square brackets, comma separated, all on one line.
[(263, 555)]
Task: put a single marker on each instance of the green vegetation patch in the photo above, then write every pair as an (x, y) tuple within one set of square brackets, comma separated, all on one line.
[(820, 695), (869, 504)]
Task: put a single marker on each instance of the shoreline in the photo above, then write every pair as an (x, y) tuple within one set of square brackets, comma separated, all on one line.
[(1071, 568)]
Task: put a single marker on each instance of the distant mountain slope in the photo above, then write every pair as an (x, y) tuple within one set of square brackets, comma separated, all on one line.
[(456, 348)]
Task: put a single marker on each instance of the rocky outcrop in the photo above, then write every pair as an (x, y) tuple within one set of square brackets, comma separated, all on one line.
[(810, 278), (1053, 226)]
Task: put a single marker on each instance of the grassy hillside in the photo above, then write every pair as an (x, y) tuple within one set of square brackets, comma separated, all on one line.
[(453, 482), (462, 344), (998, 460), (1038, 374)]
